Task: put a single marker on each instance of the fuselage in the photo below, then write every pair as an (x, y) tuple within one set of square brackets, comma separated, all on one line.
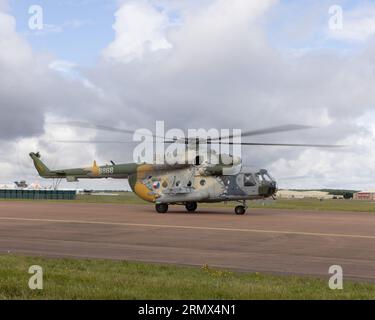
[(174, 184), (188, 185)]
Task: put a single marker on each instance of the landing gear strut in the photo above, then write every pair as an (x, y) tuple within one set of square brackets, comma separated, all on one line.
[(241, 210), (161, 207), (191, 206)]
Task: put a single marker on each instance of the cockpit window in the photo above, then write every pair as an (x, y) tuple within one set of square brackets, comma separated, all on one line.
[(264, 176), (249, 180)]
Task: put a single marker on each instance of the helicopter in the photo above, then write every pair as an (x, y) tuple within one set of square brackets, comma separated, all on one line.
[(197, 180)]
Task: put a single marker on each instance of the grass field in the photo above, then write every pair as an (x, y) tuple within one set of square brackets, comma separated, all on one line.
[(325, 205), (102, 279), (294, 204)]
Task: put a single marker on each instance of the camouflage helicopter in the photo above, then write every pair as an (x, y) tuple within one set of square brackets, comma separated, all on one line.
[(198, 180)]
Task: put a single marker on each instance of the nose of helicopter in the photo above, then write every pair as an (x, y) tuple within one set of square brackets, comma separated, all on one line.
[(273, 189), (272, 186), (269, 188)]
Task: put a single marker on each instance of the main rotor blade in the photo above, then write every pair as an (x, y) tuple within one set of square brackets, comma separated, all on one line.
[(181, 142), (106, 142), (285, 145), (87, 125), (278, 129)]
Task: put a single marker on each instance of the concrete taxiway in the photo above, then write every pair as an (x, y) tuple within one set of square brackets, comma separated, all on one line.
[(275, 241)]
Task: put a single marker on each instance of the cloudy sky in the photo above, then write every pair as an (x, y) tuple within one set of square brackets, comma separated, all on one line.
[(193, 64)]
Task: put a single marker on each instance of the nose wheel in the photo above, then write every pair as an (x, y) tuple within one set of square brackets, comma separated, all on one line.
[(191, 206), (161, 208), (240, 210)]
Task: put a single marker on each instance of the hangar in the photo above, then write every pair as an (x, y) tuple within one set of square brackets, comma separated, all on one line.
[(308, 194), (365, 195)]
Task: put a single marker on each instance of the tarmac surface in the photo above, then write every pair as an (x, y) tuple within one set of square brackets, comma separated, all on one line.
[(270, 241)]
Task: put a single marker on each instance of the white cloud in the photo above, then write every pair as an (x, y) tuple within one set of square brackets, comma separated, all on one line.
[(223, 72), (350, 168), (30, 88), (139, 28), (4, 5), (65, 68), (49, 29), (13, 50), (358, 24), (220, 71)]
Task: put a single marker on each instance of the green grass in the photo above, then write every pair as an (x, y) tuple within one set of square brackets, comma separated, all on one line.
[(104, 279), (312, 204), (122, 198), (292, 204)]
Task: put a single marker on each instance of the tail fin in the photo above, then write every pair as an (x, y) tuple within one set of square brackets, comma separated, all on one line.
[(39, 165)]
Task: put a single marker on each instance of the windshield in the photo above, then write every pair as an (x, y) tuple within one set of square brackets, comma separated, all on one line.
[(264, 176)]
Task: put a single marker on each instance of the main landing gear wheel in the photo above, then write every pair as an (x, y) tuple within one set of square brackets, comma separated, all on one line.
[(191, 206), (161, 208), (240, 210)]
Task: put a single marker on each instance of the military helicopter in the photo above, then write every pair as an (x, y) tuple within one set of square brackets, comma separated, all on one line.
[(198, 180)]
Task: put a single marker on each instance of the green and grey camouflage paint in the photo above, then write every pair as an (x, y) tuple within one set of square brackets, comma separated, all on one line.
[(173, 184)]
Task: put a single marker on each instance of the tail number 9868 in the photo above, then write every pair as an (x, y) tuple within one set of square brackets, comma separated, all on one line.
[(106, 170)]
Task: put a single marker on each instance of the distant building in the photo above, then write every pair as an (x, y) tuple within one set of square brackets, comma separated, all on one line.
[(310, 194), (21, 184), (365, 196), (7, 186)]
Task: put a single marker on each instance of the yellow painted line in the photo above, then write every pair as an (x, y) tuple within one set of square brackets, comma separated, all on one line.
[(300, 233)]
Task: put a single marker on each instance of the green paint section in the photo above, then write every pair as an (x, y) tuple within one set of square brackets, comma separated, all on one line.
[(132, 181), (39, 165), (115, 171)]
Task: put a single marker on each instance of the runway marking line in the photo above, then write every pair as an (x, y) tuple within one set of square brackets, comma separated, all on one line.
[(336, 235)]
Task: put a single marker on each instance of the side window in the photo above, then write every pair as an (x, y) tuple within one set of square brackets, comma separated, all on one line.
[(249, 180)]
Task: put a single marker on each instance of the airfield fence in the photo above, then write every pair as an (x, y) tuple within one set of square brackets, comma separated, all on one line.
[(38, 194)]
